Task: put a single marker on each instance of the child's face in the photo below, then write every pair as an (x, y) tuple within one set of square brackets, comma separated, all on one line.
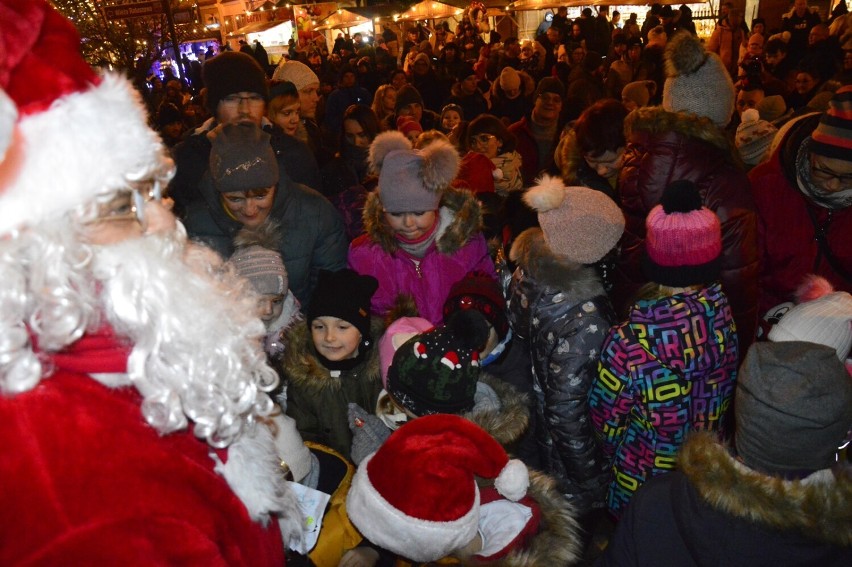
[(270, 307), (450, 120), (335, 338)]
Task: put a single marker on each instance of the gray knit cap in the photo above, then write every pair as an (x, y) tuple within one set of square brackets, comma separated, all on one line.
[(241, 158), (697, 82), (793, 407), (262, 267)]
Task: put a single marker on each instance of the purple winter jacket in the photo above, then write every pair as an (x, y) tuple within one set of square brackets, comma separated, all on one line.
[(458, 250)]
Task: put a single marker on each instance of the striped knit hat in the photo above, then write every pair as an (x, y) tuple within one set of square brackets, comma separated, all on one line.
[(832, 137)]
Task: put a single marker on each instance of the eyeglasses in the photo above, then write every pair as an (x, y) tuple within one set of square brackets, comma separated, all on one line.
[(482, 138), (236, 100), (820, 174), (128, 205)]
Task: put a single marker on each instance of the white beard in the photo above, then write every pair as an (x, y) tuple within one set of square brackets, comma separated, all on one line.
[(197, 351)]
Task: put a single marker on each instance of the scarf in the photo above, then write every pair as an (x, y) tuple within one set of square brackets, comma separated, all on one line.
[(837, 200), (417, 247)]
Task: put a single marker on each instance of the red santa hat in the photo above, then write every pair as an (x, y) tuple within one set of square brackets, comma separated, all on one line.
[(66, 134), (417, 495)]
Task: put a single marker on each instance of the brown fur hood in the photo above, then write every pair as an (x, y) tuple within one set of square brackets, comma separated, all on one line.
[(533, 255), (465, 224), (508, 423), (654, 120), (558, 540), (527, 86), (301, 366), (819, 506)]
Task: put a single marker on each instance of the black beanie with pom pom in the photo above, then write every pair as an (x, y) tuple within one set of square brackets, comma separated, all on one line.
[(437, 371)]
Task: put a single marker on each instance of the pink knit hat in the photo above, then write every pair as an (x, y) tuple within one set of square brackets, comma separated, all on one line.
[(683, 242), (396, 334)]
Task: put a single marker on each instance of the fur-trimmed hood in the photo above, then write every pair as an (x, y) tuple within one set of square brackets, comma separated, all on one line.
[(558, 539), (531, 253), (461, 204), (301, 366), (817, 506), (655, 120), (511, 421)]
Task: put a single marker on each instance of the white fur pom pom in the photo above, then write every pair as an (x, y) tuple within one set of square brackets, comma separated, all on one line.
[(440, 164), (749, 116), (8, 117), (547, 195), (385, 143), (513, 480)]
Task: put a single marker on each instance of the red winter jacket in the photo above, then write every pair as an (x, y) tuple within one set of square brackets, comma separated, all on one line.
[(788, 249), (663, 147)]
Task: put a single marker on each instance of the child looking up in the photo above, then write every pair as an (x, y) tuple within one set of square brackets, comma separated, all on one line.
[(670, 368), (330, 359)]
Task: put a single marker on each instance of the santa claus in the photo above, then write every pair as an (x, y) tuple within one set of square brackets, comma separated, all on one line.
[(133, 383)]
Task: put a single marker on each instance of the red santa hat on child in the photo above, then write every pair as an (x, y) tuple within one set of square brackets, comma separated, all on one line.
[(66, 134), (417, 495)]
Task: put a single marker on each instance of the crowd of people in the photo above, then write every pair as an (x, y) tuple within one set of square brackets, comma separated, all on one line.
[(449, 297)]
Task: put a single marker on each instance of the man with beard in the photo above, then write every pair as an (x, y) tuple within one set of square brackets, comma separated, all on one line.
[(133, 387)]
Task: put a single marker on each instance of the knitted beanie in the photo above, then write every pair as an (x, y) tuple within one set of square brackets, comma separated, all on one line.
[(232, 72), (454, 107), (412, 180), (638, 92), (550, 85), (826, 320), (417, 496), (793, 407), (344, 294), (481, 293), (395, 336), (241, 158), (771, 108), (297, 73), (683, 240), (257, 259), (579, 224), (754, 136), (437, 371), (407, 125), (283, 88), (832, 137), (405, 96), (697, 81), (509, 79)]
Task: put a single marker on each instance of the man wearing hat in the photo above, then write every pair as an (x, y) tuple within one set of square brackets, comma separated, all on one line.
[(538, 133), (803, 195), (777, 497), (237, 91), (133, 389), (312, 230)]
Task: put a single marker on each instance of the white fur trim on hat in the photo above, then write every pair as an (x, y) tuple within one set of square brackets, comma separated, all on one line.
[(413, 538), (84, 144), (8, 116), (546, 195)]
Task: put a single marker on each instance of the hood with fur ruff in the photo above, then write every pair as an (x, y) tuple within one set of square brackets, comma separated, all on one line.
[(657, 121), (817, 506), (466, 221), (532, 254), (301, 366), (508, 423)]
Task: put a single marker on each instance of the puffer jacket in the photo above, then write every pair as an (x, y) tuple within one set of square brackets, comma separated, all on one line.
[(788, 247), (317, 398), (561, 311), (663, 147), (670, 368), (716, 511), (312, 234), (457, 251)]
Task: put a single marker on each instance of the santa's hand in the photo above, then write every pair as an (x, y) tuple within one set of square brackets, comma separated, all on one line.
[(359, 557)]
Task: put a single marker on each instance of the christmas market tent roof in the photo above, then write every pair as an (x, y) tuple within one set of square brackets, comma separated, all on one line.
[(256, 27), (342, 18), (522, 5), (380, 10)]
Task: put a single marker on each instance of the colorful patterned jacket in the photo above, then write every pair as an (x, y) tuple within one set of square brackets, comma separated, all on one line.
[(670, 368)]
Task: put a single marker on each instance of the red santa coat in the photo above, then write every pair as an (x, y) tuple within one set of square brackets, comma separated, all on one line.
[(86, 481)]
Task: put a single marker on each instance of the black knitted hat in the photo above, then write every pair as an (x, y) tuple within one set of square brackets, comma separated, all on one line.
[(232, 72), (344, 294)]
